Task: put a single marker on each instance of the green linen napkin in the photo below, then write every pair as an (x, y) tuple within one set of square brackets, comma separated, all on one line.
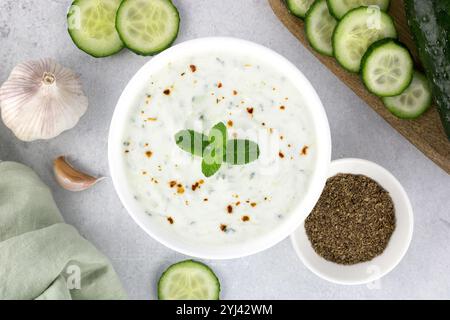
[(41, 257)]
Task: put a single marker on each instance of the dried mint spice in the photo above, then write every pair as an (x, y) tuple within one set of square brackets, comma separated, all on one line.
[(352, 221)]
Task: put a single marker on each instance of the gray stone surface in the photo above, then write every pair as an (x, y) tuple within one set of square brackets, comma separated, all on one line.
[(31, 29)]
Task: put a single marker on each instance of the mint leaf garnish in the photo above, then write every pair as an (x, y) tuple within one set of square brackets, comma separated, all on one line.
[(216, 148), (212, 161), (192, 142), (215, 151), (240, 152), (218, 138)]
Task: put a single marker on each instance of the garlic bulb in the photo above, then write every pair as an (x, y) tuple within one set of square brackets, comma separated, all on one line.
[(41, 99), (71, 179)]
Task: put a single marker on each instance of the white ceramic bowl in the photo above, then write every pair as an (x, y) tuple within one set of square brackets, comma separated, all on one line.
[(318, 176), (398, 245)]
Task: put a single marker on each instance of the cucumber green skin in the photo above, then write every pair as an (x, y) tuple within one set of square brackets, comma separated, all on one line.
[(330, 8), (149, 53), (335, 35), (307, 31), (292, 10), (376, 45), (432, 37), (408, 115), (198, 264), (91, 53)]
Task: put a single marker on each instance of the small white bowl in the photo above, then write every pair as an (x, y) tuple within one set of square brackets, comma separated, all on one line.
[(370, 271)]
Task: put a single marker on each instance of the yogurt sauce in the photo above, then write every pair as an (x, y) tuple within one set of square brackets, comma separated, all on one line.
[(239, 203)]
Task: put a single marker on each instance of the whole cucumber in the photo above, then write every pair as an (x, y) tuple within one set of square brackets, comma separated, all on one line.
[(429, 21)]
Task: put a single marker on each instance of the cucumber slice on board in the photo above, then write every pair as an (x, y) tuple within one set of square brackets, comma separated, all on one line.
[(319, 26), (147, 27), (357, 30), (414, 101), (92, 27), (338, 8), (387, 68), (188, 280), (299, 7)]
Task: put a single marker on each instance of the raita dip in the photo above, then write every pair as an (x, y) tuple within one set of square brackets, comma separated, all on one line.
[(239, 202)]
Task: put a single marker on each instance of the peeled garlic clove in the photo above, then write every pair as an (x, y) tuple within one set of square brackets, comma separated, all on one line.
[(71, 179), (41, 99)]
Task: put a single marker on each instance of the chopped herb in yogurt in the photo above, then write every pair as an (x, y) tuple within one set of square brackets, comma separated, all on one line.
[(230, 108)]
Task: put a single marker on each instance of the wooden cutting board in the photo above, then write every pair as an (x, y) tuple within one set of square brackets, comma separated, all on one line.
[(426, 133)]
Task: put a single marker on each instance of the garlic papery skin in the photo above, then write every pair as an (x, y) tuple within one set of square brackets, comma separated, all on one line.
[(70, 178), (41, 99)]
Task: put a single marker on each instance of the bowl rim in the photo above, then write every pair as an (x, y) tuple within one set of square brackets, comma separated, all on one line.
[(348, 163), (318, 177)]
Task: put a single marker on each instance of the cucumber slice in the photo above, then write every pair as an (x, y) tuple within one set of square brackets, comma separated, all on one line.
[(338, 8), (299, 7), (357, 30), (188, 280), (319, 26), (387, 68), (414, 101), (147, 27), (92, 28)]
